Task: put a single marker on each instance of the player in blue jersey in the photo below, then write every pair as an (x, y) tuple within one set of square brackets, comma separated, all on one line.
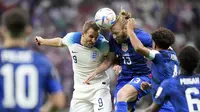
[(25, 75), (183, 91), (165, 63), (134, 66), (88, 50)]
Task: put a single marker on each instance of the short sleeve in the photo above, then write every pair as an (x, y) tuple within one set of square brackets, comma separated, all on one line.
[(67, 40), (162, 93), (52, 81)]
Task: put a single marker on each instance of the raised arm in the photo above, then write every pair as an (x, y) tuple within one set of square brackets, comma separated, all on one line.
[(55, 42), (136, 43)]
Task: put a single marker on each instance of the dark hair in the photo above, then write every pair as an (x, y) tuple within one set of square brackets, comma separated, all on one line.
[(90, 24), (189, 58), (15, 20), (163, 37)]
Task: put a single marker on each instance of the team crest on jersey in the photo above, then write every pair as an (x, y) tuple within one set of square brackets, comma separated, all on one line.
[(124, 47), (94, 55)]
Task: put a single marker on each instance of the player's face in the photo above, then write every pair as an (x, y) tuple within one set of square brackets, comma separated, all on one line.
[(119, 32), (90, 37)]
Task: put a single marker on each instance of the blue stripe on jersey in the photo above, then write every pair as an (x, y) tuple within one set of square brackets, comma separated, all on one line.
[(182, 91), (101, 43), (164, 65), (132, 63), (24, 72)]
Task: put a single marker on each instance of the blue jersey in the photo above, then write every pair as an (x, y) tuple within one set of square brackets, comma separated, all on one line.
[(182, 91), (165, 64), (132, 63), (24, 77)]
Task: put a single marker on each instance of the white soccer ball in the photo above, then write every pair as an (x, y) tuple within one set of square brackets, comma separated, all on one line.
[(105, 18)]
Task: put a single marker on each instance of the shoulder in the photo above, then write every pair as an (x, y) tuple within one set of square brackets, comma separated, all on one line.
[(101, 40), (102, 44), (71, 38), (141, 34), (169, 82)]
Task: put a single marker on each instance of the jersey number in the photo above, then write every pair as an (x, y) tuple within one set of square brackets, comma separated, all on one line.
[(192, 101), (127, 60), (20, 98), (74, 58), (175, 73)]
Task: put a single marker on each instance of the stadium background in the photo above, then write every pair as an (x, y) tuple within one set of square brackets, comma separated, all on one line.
[(51, 18)]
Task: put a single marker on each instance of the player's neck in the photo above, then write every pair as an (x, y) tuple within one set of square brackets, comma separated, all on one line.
[(14, 43)]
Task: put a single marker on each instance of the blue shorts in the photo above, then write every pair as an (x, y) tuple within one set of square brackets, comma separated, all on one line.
[(135, 82)]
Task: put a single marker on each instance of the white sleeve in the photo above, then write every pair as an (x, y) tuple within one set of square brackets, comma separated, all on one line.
[(152, 54), (67, 39)]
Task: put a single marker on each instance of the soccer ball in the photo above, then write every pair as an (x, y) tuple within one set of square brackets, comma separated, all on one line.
[(105, 18)]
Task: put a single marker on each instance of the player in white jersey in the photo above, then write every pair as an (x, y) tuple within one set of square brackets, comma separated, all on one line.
[(88, 50)]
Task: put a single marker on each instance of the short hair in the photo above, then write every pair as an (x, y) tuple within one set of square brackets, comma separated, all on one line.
[(15, 20), (122, 18), (189, 58), (90, 24), (163, 37)]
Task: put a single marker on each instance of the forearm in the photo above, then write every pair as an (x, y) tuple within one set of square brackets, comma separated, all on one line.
[(104, 66), (136, 43), (56, 42)]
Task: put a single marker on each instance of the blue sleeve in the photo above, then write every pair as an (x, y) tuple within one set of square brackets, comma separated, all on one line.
[(144, 37), (104, 46), (157, 59), (111, 43), (52, 81), (155, 56), (162, 93)]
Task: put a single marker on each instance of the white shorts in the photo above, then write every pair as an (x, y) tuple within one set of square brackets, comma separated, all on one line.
[(99, 102)]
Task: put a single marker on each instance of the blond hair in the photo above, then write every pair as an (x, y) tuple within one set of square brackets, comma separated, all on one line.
[(123, 17)]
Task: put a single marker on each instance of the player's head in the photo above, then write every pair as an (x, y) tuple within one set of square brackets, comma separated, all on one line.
[(90, 33), (119, 29), (189, 58), (15, 24), (163, 38)]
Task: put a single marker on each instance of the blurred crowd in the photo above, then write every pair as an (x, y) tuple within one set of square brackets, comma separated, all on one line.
[(55, 18)]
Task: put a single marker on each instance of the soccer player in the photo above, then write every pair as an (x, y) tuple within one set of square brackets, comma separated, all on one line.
[(165, 63), (24, 74), (88, 49), (134, 66), (183, 91)]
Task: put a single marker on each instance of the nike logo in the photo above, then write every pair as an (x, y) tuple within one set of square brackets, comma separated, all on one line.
[(100, 108), (74, 52)]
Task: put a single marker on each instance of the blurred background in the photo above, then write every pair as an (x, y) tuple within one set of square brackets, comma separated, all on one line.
[(55, 18)]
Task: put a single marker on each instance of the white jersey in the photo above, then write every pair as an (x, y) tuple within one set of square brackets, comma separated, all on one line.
[(86, 60)]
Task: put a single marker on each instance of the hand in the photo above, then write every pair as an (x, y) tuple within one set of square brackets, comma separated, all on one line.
[(117, 69), (91, 76), (131, 24), (38, 40), (45, 109), (145, 85)]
